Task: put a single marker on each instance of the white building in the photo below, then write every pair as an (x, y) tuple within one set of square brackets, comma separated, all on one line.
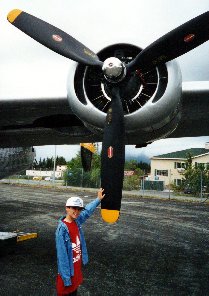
[(39, 173), (170, 167)]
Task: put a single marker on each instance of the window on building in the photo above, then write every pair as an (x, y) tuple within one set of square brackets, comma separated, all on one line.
[(201, 165), (183, 165), (179, 165), (177, 182), (161, 172)]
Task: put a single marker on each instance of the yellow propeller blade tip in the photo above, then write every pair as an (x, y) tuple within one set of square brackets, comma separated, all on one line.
[(110, 216), (12, 15)]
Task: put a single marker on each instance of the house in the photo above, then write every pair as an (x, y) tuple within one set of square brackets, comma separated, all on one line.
[(170, 167), (61, 168), (41, 173)]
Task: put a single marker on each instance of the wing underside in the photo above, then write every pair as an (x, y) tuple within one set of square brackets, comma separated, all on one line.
[(47, 121), (40, 121), (195, 110)]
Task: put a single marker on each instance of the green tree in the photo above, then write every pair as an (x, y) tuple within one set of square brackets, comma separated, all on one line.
[(40, 163), (35, 164), (196, 176), (74, 174), (49, 163), (43, 164), (131, 182), (145, 167), (60, 160), (96, 170), (131, 165)]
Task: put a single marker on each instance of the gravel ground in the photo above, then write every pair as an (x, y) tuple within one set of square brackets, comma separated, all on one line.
[(158, 247)]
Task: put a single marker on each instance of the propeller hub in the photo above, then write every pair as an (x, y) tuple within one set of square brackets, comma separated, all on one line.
[(114, 70)]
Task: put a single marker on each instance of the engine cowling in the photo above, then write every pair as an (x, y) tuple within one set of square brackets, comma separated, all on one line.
[(151, 101)]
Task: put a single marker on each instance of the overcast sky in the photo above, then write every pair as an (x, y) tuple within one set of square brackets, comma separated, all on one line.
[(29, 69)]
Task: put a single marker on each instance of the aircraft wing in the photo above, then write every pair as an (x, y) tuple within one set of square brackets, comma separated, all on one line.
[(50, 120), (40, 121), (195, 110)]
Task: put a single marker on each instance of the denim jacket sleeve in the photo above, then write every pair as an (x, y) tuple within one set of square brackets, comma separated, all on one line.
[(64, 263), (88, 211)]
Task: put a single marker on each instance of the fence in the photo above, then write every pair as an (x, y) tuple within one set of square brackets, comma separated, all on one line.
[(152, 185)]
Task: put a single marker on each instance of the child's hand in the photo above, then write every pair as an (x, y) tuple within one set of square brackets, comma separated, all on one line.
[(100, 194)]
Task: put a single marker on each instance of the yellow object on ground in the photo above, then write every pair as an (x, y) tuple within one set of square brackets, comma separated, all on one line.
[(22, 236)]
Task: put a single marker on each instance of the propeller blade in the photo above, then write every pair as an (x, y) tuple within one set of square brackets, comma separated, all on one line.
[(113, 159), (53, 38), (87, 150), (173, 44)]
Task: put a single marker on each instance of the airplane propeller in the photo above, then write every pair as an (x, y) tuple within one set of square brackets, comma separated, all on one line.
[(113, 159), (53, 38), (118, 79), (173, 44), (87, 151)]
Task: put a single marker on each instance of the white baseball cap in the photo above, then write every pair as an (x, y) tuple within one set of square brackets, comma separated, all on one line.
[(75, 201)]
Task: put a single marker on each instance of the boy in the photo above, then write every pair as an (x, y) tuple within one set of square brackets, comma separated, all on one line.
[(71, 245)]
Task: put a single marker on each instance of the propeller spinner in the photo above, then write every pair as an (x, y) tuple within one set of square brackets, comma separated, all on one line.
[(173, 44)]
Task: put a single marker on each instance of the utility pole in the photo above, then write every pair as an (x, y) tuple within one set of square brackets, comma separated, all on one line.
[(200, 184), (143, 181), (169, 194), (55, 152), (81, 177)]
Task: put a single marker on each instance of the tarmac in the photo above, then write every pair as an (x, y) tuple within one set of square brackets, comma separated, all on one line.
[(159, 246)]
